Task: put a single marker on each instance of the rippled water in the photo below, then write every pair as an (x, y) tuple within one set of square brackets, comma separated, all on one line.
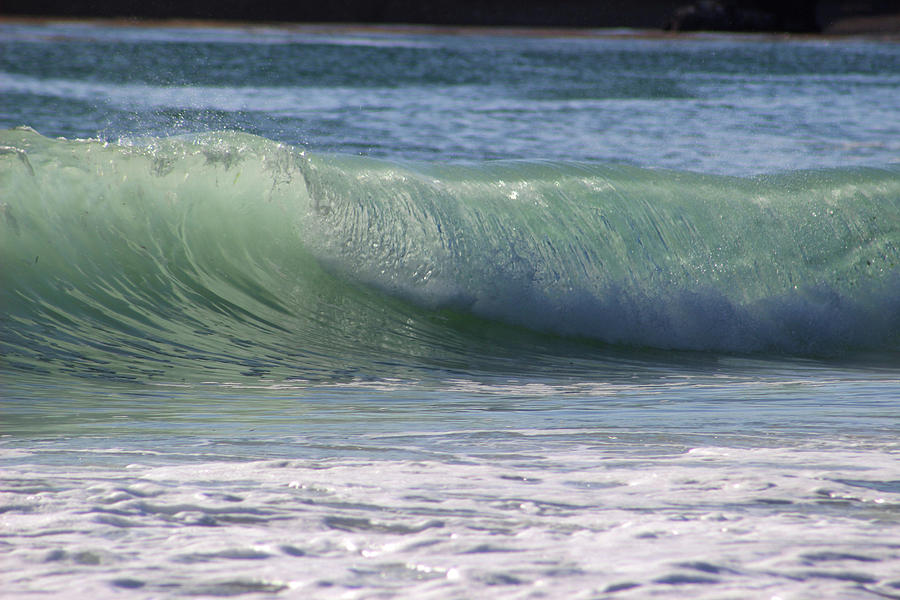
[(193, 406)]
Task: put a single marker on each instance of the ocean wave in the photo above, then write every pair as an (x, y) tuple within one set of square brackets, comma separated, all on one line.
[(184, 256)]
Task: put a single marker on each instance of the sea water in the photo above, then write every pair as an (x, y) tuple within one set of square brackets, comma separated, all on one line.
[(346, 313)]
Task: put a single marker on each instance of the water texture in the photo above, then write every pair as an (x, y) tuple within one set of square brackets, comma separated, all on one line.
[(321, 313)]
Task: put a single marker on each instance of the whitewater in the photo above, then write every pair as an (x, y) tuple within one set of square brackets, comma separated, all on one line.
[(345, 313)]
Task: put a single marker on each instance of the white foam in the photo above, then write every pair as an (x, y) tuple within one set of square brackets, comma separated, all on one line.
[(794, 522)]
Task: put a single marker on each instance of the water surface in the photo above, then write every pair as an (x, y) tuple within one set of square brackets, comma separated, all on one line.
[(327, 313)]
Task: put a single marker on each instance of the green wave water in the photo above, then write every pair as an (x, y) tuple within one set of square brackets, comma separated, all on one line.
[(226, 254)]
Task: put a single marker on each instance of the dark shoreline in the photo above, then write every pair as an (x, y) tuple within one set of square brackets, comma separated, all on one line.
[(336, 28), (835, 17)]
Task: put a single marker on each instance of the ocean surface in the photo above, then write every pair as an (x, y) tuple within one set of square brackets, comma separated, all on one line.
[(322, 312)]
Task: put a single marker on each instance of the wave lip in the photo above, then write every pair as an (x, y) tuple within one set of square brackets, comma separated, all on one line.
[(228, 251)]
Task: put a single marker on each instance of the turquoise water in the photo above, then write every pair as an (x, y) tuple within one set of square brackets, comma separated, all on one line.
[(312, 312)]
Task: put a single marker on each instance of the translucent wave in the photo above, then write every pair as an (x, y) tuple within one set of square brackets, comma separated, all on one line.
[(227, 254)]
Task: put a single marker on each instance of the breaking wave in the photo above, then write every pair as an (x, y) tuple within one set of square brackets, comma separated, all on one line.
[(226, 253)]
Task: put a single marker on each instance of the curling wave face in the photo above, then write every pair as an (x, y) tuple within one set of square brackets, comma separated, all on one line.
[(226, 253)]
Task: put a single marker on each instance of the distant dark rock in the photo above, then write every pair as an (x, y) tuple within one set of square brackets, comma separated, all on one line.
[(859, 16), (797, 16), (714, 15)]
